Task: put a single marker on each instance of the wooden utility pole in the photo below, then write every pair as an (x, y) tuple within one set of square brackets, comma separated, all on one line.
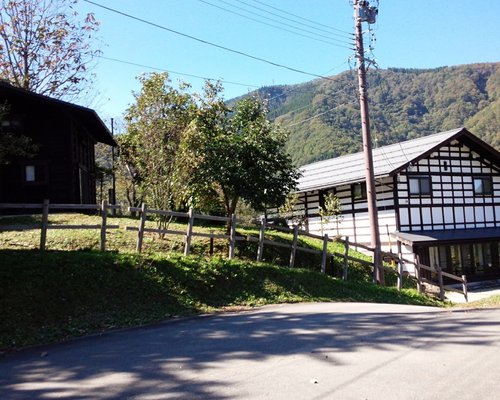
[(113, 176), (364, 13)]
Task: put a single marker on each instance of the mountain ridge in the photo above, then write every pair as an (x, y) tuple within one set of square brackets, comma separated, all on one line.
[(323, 115)]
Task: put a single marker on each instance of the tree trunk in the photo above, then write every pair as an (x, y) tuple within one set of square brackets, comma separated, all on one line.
[(230, 205)]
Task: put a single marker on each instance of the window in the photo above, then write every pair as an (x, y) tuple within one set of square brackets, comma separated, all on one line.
[(30, 173), (483, 186), (359, 191), (476, 258), (420, 185), (35, 174)]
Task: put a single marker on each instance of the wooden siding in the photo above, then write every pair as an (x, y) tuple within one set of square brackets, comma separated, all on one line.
[(64, 163), (452, 203)]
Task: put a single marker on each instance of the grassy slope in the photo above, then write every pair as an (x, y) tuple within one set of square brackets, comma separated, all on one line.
[(72, 289), (54, 295)]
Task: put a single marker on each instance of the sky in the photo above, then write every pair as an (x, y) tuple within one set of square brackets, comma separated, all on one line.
[(312, 36)]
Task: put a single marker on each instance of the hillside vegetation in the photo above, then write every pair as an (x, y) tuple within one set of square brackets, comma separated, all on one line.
[(323, 116)]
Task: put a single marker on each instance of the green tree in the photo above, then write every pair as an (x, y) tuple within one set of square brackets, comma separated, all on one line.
[(128, 180), (238, 154), (331, 210), (149, 150), (44, 47)]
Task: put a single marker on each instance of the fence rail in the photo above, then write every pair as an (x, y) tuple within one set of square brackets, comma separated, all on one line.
[(440, 274), (232, 237), (44, 226)]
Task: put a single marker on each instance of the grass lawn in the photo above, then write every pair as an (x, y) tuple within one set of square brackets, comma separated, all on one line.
[(490, 302)]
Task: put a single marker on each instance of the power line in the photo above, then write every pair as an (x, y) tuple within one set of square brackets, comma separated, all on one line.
[(324, 112), (346, 35), (228, 82), (175, 72), (290, 90), (207, 42), (318, 115), (279, 22), (314, 116), (337, 67), (302, 18)]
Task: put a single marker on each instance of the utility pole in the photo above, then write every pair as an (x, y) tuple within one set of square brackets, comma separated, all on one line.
[(364, 13), (113, 176)]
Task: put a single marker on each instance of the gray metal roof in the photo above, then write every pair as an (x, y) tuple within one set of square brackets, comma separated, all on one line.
[(386, 160), (450, 236)]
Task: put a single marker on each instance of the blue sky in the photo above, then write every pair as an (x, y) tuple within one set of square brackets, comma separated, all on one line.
[(409, 34)]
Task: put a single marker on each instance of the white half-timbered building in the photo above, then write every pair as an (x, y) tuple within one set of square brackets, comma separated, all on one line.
[(438, 195)]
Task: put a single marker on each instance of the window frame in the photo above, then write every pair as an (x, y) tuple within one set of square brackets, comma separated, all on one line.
[(363, 193), (420, 192), (38, 171), (483, 192)]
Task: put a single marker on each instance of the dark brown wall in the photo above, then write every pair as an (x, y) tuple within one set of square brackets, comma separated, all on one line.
[(65, 148)]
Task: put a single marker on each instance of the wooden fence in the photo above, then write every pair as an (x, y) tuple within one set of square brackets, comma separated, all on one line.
[(188, 233), (44, 225), (232, 238), (440, 274)]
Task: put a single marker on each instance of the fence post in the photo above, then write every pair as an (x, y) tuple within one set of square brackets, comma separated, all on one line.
[(346, 258), (45, 223), (260, 249), (211, 249), (232, 236), (464, 287), (440, 281), (324, 254), (417, 274), (189, 233), (400, 267), (294, 245), (104, 215), (142, 223)]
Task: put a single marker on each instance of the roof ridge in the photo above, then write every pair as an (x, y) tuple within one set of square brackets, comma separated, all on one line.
[(382, 148)]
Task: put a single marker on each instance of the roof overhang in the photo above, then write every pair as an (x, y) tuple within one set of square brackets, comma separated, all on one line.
[(83, 115), (443, 237), (338, 183)]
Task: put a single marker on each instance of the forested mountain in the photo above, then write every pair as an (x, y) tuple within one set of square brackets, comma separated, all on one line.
[(323, 115)]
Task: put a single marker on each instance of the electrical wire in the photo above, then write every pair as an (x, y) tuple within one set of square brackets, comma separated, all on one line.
[(324, 112), (302, 18), (350, 37), (302, 89), (313, 117), (279, 22), (241, 53), (175, 72)]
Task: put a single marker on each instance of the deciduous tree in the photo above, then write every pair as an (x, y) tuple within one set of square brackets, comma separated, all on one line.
[(331, 209), (155, 125), (44, 47), (238, 153)]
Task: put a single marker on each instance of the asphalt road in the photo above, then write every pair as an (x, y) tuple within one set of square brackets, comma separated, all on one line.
[(302, 351)]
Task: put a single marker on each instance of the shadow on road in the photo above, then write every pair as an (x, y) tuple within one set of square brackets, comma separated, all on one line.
[(184, 358)]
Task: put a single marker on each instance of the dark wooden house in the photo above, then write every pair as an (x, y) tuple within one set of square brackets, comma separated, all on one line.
[(63, 167)]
